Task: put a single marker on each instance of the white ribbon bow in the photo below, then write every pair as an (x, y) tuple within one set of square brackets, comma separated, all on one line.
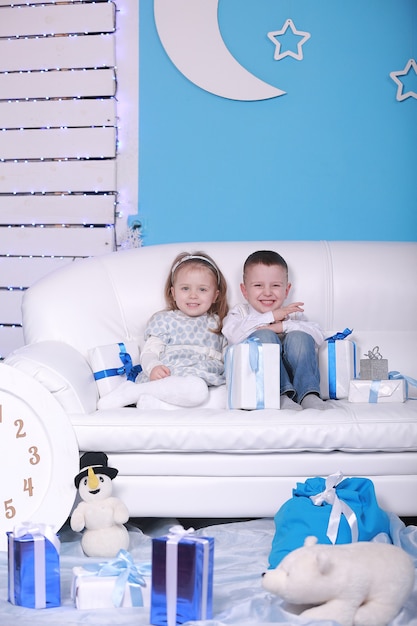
[(179, 531), (39, 533), (330, 496), (176, 533), (36, 530)]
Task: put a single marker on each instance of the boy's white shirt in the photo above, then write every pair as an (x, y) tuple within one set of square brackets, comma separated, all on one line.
[(242, 320)]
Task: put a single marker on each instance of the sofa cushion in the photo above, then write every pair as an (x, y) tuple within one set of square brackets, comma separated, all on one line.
[(348, 427)]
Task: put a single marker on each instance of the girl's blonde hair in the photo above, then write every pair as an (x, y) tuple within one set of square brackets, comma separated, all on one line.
[(199, 259)]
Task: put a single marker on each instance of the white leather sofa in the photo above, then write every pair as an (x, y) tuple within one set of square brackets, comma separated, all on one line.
[(211, 462)]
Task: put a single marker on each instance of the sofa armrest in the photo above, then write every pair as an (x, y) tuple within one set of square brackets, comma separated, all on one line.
[(62, 370)]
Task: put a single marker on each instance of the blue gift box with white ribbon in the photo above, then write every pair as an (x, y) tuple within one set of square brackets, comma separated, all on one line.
[(252, 373), (182, 577), (33, 566), (337, 361)]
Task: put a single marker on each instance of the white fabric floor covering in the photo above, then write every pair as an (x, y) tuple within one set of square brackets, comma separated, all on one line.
[(241, 555)]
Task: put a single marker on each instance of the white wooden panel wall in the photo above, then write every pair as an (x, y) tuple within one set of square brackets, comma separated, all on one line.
[(58, 143)]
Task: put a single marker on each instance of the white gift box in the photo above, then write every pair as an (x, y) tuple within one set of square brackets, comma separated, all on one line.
[(377, 391), (109, 364), (253, 375), (337, 363), (92, 591)]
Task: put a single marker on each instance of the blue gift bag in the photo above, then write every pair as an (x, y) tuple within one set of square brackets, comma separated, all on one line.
[(333, 509)]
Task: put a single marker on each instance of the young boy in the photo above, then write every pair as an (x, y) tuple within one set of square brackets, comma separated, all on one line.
[(265, 287)]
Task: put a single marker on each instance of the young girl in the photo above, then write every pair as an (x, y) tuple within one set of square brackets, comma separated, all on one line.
[(183, 351)]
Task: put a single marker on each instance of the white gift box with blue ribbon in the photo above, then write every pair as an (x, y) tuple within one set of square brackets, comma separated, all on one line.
[(113, 584), (377, 391), (337, 362), (252, 373), (114, 363)]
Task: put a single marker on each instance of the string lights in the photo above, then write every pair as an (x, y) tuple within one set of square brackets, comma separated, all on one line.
[(76, 94)]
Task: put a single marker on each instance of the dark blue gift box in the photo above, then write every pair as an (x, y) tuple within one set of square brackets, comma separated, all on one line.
[(182, 578), (34, 575)]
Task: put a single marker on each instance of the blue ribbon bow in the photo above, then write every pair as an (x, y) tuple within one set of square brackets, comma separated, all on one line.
[(127, 368), (126, 571), (394, 375), (331, 356), (342, 335), (256, 363), (257, 366)]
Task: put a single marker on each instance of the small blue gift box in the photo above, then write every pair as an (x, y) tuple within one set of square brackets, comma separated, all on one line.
[(33, 561), (182, 577)]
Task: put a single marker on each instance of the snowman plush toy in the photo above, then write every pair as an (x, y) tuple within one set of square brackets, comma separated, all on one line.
[(99, 515)]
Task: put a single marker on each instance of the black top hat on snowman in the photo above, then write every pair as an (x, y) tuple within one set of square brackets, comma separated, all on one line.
[(98, 462)]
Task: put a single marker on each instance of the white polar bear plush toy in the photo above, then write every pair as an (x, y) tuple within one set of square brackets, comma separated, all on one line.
[(355, 584)]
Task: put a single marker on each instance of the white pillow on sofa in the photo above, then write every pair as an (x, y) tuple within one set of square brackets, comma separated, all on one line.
[(62, 370)]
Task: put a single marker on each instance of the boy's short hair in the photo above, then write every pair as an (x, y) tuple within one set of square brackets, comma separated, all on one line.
[(264, 257)]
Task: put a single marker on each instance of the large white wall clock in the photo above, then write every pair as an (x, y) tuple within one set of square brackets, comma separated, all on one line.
[(189, 32), (38, 455)]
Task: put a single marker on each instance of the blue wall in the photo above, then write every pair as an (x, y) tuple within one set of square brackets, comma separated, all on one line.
[(333, 158)]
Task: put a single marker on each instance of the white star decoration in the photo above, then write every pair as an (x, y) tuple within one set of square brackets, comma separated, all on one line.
[(288, 53), (400, 87)]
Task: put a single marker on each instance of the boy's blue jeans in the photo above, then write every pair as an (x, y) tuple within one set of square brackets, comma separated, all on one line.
[(299, 364)]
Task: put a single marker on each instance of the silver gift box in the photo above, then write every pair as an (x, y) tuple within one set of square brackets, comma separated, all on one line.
[(373, 369)]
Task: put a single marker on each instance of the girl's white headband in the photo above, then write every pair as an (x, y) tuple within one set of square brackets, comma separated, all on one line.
[(192, 257)]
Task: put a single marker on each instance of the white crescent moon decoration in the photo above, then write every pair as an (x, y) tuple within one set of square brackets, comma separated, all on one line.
[(189, 32)]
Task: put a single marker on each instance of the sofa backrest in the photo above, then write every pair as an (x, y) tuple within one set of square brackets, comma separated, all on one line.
[(369, 287)]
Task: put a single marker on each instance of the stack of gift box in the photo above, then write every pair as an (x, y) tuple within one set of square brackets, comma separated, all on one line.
[(374, 383), (177, 586), (253, 369)]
